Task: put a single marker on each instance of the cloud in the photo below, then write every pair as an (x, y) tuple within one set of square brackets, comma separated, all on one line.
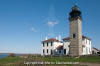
[(52, 24), (33, 29)]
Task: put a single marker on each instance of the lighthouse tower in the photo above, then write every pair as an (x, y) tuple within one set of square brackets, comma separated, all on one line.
[(75, 32)]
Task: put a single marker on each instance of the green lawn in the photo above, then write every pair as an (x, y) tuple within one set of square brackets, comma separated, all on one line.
[(10, 61), (92, 59), (95, 59)]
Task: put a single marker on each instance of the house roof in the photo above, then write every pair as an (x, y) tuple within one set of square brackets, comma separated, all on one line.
[(60, 47), (86, 37), (51, 40), (68, 38), (95, 49)]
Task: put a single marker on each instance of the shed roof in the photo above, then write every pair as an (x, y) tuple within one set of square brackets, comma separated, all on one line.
[(96, 49)]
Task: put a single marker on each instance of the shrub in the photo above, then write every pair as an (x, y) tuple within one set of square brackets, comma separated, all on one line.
[(12, 55)]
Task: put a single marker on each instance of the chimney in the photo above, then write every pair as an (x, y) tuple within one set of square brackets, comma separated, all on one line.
[(56, 38), (59, 37), (46, 38)]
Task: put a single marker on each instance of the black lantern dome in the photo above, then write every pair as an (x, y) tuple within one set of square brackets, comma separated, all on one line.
[(75, 13)]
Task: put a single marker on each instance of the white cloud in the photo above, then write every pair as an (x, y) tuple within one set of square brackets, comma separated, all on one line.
[(33, 29), (52, 24)]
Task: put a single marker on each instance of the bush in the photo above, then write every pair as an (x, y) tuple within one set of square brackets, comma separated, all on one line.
[(12, 55)]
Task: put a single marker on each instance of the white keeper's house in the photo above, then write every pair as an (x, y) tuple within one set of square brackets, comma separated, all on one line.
[(54, 46)]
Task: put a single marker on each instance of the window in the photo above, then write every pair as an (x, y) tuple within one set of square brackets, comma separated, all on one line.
[(74, 35), (43, 44), (93, 52), (51, 43), (69, 51), (47, 50), (59, 51), (51, 52), (43, 50), (86, 41), (64, 51), (82, 50), (89, 42), (47, 43), (69, 46)]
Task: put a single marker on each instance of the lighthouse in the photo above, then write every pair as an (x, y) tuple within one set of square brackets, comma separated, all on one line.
[(75, 20)]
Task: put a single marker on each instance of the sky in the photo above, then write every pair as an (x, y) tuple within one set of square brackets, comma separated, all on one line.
[(24, 24)]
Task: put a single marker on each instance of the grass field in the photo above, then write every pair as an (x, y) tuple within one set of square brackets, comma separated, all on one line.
[(93, 59), (18, 61), (10, 60)]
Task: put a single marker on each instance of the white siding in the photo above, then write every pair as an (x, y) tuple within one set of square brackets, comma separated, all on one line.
[(87, 49), (49, 47), (66, 46)]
